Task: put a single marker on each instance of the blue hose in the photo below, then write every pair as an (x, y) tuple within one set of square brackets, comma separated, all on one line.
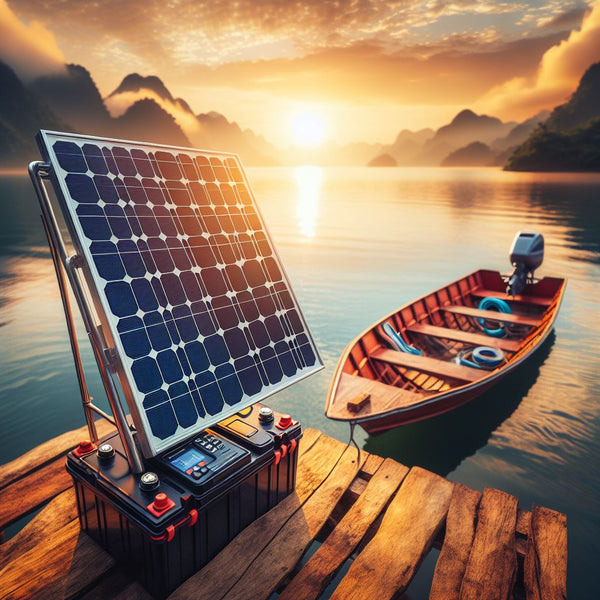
[(500, 306), (398, 341)]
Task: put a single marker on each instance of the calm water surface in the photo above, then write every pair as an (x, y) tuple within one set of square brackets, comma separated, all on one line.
[(357, 243)]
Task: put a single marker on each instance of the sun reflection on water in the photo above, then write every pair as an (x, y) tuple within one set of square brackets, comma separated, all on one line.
[(309, 180)]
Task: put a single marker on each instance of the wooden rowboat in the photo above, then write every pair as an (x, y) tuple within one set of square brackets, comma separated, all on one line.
[(380, 386)]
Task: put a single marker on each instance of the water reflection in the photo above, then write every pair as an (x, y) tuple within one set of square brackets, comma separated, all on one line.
[(442, 443), (309, 181)]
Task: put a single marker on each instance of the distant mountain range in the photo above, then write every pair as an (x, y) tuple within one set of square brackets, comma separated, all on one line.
[(146, 110), (570, 139), (468, 140)]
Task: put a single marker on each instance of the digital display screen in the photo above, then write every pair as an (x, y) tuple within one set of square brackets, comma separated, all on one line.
[(188, 459)]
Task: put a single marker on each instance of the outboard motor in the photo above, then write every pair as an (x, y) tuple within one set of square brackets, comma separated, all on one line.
[(526, 255)]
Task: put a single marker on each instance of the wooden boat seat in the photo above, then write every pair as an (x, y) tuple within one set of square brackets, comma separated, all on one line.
[(492, 315), (535, 300), (433, 366), (469, 337)]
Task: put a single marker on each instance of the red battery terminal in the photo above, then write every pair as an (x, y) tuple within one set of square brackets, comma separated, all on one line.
[(162, 503), (85, 447), (284, 422)]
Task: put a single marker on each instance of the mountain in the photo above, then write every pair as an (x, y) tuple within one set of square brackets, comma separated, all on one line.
[(427, 147), (21, 116), (582, 107), (75, 98), (134, 83), (217, 133), (519, 133), (383, 160), (212, 130), (134, 125), (570, 139), (467, 127), (546, 150), (408, 144), (475, 154)]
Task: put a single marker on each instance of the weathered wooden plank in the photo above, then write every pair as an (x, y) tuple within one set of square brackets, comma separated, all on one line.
[(116, 585), (59, 512), (426, 364), (492, 315), (313, 469), (535, 300), (468, 337), (26, 494), (460, 531), (62, 566), (316, 574), (491, 570), (279, 558), (389, 561), (48, 451), (545, 569), (309, 437)]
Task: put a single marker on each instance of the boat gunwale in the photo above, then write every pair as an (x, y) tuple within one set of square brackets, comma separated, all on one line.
[(537, 337)]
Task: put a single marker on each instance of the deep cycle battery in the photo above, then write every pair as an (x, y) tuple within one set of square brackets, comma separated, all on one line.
[(165, 524)]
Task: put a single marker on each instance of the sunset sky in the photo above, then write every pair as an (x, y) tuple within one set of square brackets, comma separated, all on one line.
[(364, 69)]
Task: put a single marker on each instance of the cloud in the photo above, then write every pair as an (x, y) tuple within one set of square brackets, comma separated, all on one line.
[(30, 50), (557, 76)]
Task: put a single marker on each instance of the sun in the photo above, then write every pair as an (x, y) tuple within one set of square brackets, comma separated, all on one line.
[(308, 129)]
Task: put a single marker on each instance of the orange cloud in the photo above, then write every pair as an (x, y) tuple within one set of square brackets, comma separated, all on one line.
[(559, 72), (30, 50)]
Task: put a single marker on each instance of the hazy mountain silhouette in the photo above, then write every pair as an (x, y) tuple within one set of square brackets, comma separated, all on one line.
[(475, 154), (430, 148), (383, 160), (207, 130), (75, 98), (570, 139), (147, 121), (134, 82), (519, 133), (21, 116)]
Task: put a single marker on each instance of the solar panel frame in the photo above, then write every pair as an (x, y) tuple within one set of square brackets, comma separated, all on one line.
[(228, 310)]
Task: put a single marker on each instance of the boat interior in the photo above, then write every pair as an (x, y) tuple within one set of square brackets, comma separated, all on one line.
[(441, 329)]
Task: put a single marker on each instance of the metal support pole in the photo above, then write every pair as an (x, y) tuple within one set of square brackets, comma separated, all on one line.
[(63, 264)]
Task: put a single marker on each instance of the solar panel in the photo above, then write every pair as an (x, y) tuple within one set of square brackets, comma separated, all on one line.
[(185, 277)]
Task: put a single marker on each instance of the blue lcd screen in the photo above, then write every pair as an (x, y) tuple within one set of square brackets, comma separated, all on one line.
[(188, 459)]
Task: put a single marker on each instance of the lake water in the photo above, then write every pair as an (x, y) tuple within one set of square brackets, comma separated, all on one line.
[(357, 243)]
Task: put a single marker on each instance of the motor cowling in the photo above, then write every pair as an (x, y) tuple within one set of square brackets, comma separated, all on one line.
[(526, 255)]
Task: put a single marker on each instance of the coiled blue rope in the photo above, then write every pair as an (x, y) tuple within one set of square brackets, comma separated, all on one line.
[(398, 341), (483, 357), (500, 306)]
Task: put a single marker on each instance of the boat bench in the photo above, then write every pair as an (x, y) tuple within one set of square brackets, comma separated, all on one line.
[(535, 300), (469, 337), (433, 366), (492, 315)]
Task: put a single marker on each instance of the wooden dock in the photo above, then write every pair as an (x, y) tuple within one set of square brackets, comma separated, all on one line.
[(375, 521)]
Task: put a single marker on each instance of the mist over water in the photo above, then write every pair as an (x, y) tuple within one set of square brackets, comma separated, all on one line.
[(357, 243)]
